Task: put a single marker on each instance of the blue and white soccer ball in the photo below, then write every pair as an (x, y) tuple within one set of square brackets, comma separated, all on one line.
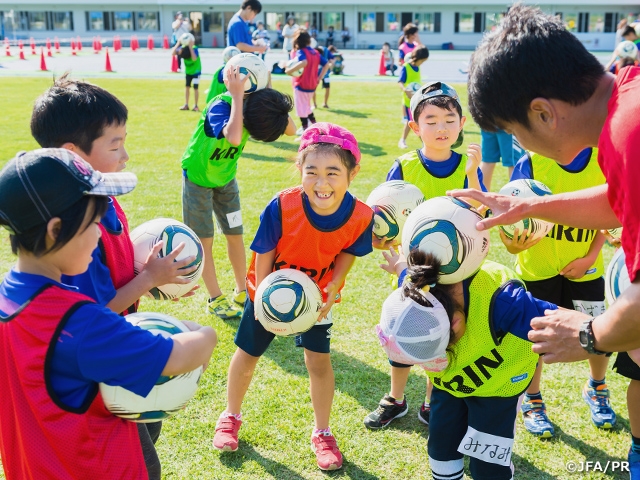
[(229, 53), (173, 233), (186, 38), (413, 87), (290, 63), (616, 280), (287, 302), (170, 393), (627, 49), (253, 68), (392, 202), (446, 228), (526, 188)]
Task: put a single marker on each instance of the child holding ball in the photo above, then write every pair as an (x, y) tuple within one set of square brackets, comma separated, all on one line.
[(323, 227), (410, 73)]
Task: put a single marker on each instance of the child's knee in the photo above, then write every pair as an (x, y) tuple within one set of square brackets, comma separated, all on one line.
[(318, 363)]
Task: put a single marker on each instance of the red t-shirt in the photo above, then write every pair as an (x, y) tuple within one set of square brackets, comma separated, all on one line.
[(620, 161)]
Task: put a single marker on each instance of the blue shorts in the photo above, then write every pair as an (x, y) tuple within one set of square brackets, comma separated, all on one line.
[(406, 111), (498, 146), (254, 339)]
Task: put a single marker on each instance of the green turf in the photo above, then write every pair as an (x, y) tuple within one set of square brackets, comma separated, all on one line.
[(274, 440)]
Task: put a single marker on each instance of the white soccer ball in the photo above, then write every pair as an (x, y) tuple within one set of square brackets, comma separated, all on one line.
[(295, 73), (412, 87), (287, 302), (229, 53), (446, 228), (526, 188), (186, 38), (627, 49), (616, 280), (392, 202), (253, 68), (173, 233), (170, 394)]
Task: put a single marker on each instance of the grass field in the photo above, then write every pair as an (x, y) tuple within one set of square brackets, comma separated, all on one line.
[(274, 440)]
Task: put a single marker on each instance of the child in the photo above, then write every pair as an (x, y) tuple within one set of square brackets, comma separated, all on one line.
[(329, 37), (209, 166), (410, 73), (334, 227), (217, 82), (408, 41), (434, 169), (326, 80), (387, 54), (566, 268), (305, 85), (338, 60), (487, 363), (192, 70), (261, 34), (57, 344), (497, 147)]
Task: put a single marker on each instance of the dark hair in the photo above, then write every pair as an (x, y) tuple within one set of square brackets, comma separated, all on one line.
[(301, 39), (72, 219), (446, 103), (626, 62), (332, 49), (75, 112), (419, 53), (345, 156), (409, 29), (537, 52), (254, 5), (266, 114), (185, 52), (387, 44), (629, 30)]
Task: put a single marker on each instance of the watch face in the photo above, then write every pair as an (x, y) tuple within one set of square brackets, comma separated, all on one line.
[(584, 338)]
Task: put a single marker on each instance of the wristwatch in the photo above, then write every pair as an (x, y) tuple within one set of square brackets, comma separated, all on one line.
[(587, 339)]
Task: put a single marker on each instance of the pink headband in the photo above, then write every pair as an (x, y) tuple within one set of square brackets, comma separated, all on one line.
[(324, 132)]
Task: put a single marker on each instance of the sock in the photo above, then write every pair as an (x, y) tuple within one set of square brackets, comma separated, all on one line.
[(312, 118), (398, 402), (635, 444), (213, 298), (532, 396), (237, 416), (596, 383), (305, 122), (317, 432)]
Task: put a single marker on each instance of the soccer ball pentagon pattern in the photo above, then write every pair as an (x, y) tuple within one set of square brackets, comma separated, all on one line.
[(446, 228), (230, 52), (287, 302), (173, 233), (186, 38), (526, 188), (253, 68), (170, 393), (392, 202), (616, 280), (295, 73)]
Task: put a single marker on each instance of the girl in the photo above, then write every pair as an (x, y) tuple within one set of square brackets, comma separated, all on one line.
[(488, 363), (57, 344), (305, 85), (387, 55), (318, 226), (408, 41), (410, 73)]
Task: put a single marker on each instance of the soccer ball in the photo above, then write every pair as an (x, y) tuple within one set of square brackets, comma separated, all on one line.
[(616, 280), (295, 73), (446, 228), (413, 87), (253, 68), (627, 49), (526, 189), (186, 38), (392, 202), (170, 393), (616, 233), (287, 302), (173, 233), (229, 52)]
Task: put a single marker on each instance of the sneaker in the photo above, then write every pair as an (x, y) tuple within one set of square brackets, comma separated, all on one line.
[(424, 414), (239, 297), (402, 144), (387, 411), (226, 437), (328, 454), (184, 107), (602, 415), (195, 109), (535, 419), (634, 465), (299, 131), (221, 307)]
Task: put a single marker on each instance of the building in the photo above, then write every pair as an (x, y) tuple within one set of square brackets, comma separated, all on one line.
[(370, 22)]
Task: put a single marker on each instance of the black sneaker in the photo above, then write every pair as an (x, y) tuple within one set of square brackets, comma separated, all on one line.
[(387, 411), (424, 414)]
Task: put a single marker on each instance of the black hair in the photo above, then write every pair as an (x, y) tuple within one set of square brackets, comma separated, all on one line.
[(254, 5), (446, 103), (185, 52), (626, 62), (629, 30), (332, 49), (387, 44), (407, 30), (422, 52), (301, 39), (346, 157), (535, 51), (266, 114), (76, 112), (72, 219)]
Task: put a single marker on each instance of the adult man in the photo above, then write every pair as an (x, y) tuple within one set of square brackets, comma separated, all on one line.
[(238, 34)]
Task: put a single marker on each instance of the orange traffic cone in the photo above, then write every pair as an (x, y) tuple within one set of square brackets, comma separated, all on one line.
[(73, 47), (150, 42), (32, 42), (215, 41), (49, 54), (174, 64), (165, 42), (99, 43), (56, 42), (79, 44), (107, 65), (7, 48), (22, 53), (48, 44), (43, 64), (382, 69)]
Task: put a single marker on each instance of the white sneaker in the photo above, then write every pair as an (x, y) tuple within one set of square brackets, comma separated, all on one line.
[(300, 131), (402, 144)]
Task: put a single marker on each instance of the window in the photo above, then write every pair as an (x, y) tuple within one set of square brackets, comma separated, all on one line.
[(393, 22), (37, 20), (95, 20), (427, 22), (212, 22), (273, 19), (368, 22), (62, 20), (332, 19), (570, 21), (123, 20), (596, 22), (464, 23), (492, 20), (147, 21)]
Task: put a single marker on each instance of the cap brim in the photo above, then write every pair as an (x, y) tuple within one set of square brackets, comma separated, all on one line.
[(114, 184)]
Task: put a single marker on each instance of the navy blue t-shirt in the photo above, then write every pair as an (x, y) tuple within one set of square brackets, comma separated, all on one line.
[(218, 115), (238, 31), (523, 169), (270, 228)]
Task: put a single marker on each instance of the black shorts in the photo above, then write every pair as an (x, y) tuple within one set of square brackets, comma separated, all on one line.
[(586, 297), (192, 78), (626, 367), (326, 83)]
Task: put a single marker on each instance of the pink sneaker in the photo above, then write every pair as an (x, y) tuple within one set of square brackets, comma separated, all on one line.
[(226, 437), (327, 452)]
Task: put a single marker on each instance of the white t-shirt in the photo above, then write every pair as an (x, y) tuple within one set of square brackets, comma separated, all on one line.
[(289, 30)]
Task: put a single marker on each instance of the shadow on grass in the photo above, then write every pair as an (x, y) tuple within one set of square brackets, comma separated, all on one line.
[(370, 149), (349, 113), (525, 469), (267, 158)]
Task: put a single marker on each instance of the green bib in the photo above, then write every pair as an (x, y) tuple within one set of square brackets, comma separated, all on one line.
[(412, 76), (216, 87), (192, 67), (562, 244), (414, 171), (480, 364), (212, 162)]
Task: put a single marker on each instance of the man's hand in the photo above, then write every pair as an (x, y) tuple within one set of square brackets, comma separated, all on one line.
[(555, 336), (505, 208)]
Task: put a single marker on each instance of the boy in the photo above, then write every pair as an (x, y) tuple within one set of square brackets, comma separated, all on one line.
[(565, 268), (57, 344), (192, 70), (209, 166), (498, 147), (410, 73), (261, 37)]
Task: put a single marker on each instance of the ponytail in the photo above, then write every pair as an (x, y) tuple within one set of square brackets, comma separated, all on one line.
[(423, 271)]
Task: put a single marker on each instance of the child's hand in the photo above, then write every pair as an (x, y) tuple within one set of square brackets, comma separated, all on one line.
[(332, 290), (166, 269), (194, 327), (474, 157), (190, 293), (614, 242), (234, 81), (519, 242), (577, 269), (396, 263), (382, 243)]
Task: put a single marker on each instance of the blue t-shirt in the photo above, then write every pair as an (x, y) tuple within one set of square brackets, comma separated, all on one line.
[(96, 281), (523, 169), (403, 73), (95, 345), (270, 228), (218, 115), (328, 56), (401, 52), (302, 56), (238, 31), (439, 169)]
